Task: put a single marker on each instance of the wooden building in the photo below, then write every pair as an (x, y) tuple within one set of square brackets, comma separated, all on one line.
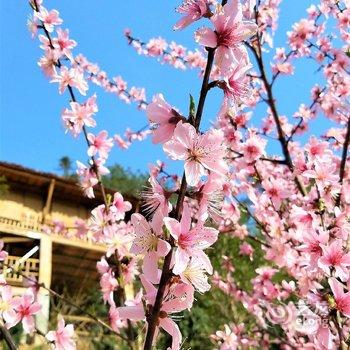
[(33, 202)]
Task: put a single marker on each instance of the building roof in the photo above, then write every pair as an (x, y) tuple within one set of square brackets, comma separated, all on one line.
[(22, 178)]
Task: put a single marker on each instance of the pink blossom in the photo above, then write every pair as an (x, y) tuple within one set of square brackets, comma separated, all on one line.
[(49, 19), (101, 221), (25, 308), (103, 266), (246, 249), (108, 284), (195, 274), (316, 148), (148, 241), (156, 198), (114, 318), (312, 244), (99, 143), (62, 337), (164, 117), (63, 43), (8, 305), (232, 338), (201, 153), (236, 84), (253, 148), (342, 299), (190, 242), (48, 62), (333, 257), (81, 229), (156, 46), (178, 298), (137, 94), (231, 176), (230, 214), (276, 191), (230, 31), (88, 179), (192, 10), (301, 218), (59, 227), (323, 173), (3, 253), (118, 140), (131, 270), (210, 202), (117, 236), (32, 25), (280, 54), (80, 115), (72, 77), (119, 206), (302, 31), (284, 68)]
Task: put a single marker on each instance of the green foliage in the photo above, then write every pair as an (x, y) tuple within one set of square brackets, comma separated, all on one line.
[(192, 109), (65, 165), (125, 180)]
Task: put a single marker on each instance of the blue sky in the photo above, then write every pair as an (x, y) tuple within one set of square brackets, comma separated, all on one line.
[(30, 107)]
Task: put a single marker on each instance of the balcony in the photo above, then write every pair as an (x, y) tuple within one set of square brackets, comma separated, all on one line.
[(28, 268)]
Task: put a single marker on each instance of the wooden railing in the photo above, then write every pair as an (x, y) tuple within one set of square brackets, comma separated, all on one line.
[(29, 229), (23, 225), (28, 268)]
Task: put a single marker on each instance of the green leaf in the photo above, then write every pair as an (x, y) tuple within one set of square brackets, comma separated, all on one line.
[(192, 110)]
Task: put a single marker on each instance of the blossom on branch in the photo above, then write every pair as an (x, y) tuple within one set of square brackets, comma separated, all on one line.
[(230, 32), (192, 10), (201, 153), (62, 337), (190, 241)]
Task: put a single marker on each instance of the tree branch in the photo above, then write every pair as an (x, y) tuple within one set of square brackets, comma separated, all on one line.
[(344, 153), (152, 318), (6, 335), (343, 159), (94, 167), (271, 102)]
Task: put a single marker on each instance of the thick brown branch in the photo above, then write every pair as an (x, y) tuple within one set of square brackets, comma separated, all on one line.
[(344, 158), (205, 87), (344, 153), (6, 335), (152, 318)]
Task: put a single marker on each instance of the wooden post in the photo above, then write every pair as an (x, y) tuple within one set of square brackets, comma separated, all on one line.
[(47, 207), (45, 271)]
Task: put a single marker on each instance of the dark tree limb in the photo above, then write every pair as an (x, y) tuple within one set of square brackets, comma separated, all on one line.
[(7, 337)]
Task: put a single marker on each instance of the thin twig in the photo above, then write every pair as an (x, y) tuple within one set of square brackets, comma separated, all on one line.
[(94, 166), (271, 102)]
